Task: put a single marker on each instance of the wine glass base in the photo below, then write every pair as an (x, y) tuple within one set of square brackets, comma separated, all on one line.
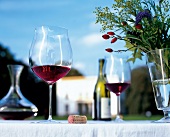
[(163, 120), (46, 122), (118, 119)]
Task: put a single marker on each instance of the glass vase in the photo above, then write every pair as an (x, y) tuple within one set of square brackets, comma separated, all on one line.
[(14, 106), (158, 62)]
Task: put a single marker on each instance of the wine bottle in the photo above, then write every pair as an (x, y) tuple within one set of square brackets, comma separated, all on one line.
[(101, 97)]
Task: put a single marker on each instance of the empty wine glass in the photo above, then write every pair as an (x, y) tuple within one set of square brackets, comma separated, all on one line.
[(118, 75), (50, 56)]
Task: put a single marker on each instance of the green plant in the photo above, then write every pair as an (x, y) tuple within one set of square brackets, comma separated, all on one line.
[(143, 24)]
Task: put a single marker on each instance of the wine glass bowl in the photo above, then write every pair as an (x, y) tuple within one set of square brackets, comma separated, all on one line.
[(50, 73), (50, 56), (118, 75), (53, 45)]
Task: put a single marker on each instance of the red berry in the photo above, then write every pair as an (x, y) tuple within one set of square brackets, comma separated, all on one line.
[(110, 33), (138, 26), (106, 36), (114, 40), (109, 50), (124, 23)]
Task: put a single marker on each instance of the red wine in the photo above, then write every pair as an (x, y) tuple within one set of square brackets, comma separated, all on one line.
[(16, 115), (50, 73), (117, 88)]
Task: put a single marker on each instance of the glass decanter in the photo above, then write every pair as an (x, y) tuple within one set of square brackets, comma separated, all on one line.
[(14, 106)]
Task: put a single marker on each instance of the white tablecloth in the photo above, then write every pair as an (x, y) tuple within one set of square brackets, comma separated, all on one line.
[(91, 129)]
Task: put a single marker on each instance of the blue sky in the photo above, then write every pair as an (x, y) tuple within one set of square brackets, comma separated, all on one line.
[(18, 19)]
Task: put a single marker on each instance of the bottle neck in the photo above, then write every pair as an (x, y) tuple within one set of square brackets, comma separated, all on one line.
[(101, 64)]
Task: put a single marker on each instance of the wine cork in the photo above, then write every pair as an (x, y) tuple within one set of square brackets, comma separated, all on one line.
[(77, 119)]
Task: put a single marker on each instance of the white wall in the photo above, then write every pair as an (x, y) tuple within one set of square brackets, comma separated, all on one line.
[(77, 88)]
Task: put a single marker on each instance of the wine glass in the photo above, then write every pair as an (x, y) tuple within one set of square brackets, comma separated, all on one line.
[(50, 56), (118, 75)]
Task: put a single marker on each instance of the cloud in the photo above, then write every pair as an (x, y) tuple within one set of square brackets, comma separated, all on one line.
[(79, 65), (95, 27), (93, 39)]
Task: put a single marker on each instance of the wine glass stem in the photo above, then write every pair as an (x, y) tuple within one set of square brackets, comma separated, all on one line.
[(166, 114), (50, 102), (118, 106)]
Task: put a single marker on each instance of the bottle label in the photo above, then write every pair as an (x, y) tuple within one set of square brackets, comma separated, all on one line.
[(105, 108)]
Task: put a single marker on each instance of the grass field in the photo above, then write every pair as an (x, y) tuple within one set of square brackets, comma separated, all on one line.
[(142, 117), (125, 117)]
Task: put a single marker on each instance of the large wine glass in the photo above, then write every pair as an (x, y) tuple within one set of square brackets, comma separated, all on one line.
[(50, 56), (118, 75)]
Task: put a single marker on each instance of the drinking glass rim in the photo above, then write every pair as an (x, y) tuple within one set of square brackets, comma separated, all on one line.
[(116, 55), (51, 27), (151, 51)]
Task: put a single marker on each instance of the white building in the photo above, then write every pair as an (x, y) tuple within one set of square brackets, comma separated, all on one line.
[(75, 95)]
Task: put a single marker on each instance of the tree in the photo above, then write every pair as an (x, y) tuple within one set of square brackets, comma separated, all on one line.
[(140, 97), (74, 72)]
